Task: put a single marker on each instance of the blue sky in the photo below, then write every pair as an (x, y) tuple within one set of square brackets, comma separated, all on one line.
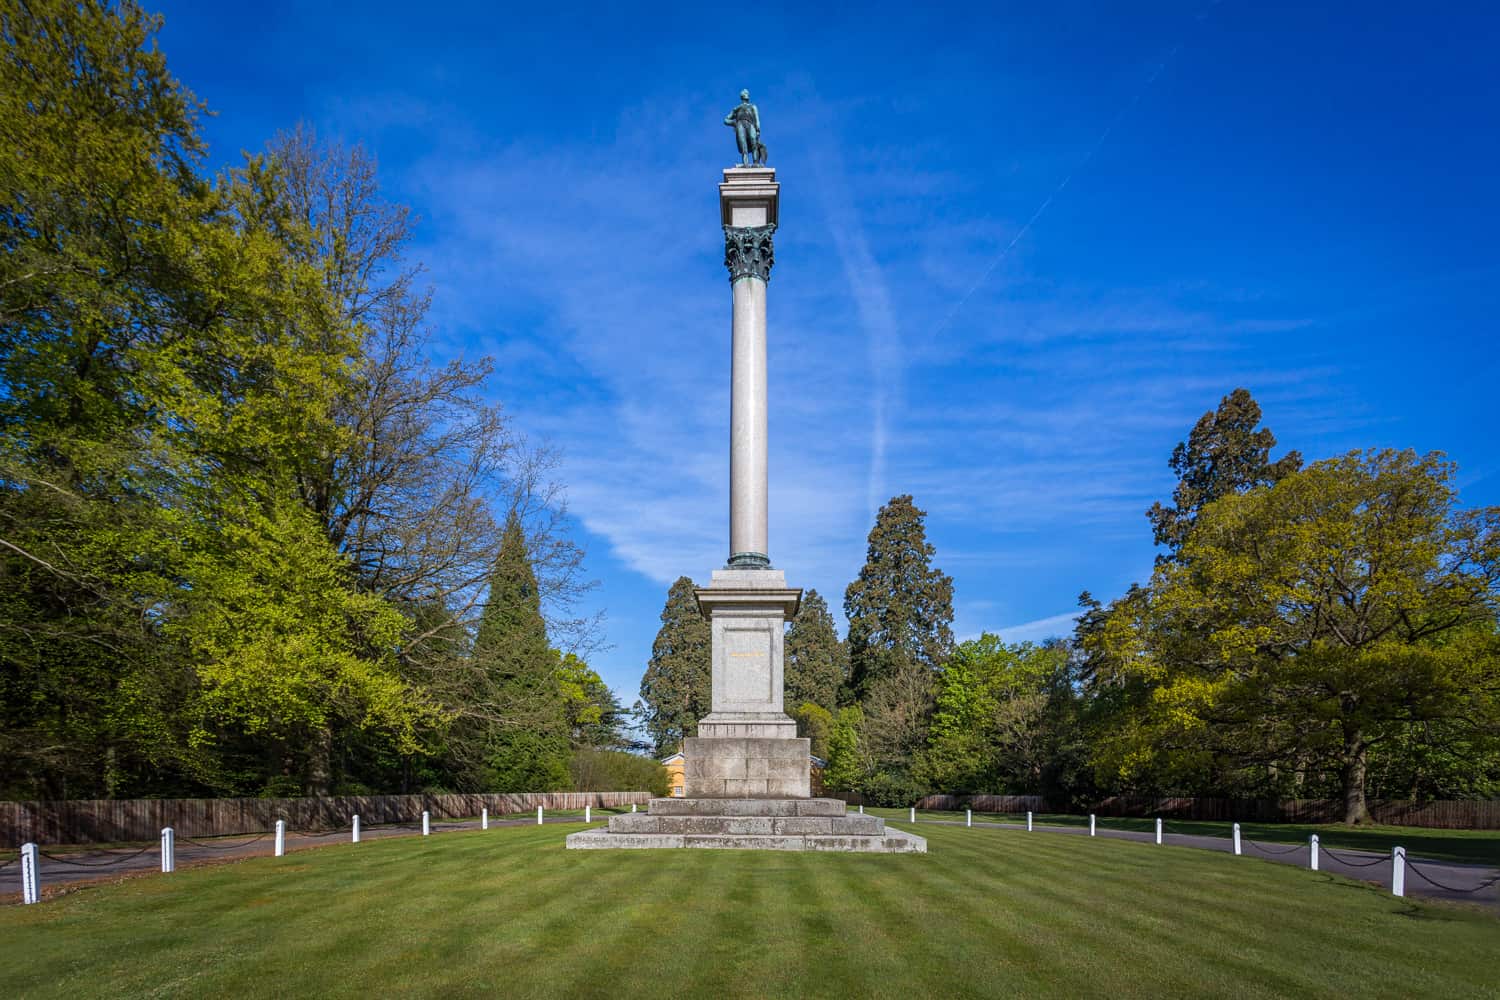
[(1022, 249)]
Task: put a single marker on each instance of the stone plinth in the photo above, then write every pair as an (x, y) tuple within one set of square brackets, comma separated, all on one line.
[(739, 768), (750, 824), (747, 746)]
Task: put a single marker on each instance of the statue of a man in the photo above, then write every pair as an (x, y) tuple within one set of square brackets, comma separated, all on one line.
[(745, 121)]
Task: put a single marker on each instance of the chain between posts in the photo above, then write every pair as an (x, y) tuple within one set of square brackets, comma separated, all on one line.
[(222, 847), (96, 864), (1267, 850), (1355, 864), (1448, 888)]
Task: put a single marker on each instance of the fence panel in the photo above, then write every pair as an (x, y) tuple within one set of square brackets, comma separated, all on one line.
[(1464, 814), (101, 821)]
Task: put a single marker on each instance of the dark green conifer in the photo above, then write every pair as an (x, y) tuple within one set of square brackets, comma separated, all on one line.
[(676, 691), (529, 739)]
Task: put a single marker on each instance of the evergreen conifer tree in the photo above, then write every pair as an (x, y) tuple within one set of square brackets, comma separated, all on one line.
[(816, 663), (1225, 454), (528, 741), (900, 610), (900, 613), (676, 690)]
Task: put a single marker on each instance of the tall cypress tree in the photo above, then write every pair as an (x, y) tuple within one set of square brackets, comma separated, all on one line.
[(677, 689), (816, 663), (528, 741)]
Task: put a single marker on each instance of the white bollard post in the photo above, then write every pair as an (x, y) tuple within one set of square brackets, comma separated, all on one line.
[(632, 807), (484, 819), (1313, 860), (168, 849), (1236, 838), (1028, 821), (31, 875), (1398, 871), (968, 817), (1158, 829), (1091, 824), (426, 826), (861, 808), (587, 814), (356, 828), (913, 814), (280, 837), (538, 815)]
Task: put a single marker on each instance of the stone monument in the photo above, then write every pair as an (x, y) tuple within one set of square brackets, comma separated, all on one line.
[(747, 771)]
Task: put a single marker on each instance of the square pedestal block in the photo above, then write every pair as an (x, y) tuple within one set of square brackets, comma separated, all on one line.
[(746, 768)]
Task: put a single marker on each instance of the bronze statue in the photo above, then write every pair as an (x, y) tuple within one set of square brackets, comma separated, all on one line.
[(745, 120)]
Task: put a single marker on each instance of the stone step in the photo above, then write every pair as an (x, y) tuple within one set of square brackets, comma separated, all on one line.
[(850, 825), (747, 807), (893, 842)]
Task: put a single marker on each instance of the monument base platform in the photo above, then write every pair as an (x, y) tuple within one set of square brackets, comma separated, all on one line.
[(750, 824)]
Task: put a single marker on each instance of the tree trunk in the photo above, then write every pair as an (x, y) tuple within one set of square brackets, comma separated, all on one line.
[(1354, 778), (320, 764)]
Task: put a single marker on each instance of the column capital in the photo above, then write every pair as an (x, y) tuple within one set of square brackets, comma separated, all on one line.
[(749, 252)]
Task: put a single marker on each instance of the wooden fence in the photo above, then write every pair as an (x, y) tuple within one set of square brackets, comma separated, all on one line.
[(1460, 814), (99, 821)]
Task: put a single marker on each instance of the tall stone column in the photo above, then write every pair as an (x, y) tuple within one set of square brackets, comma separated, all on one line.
[(746, 746), (749, 200)]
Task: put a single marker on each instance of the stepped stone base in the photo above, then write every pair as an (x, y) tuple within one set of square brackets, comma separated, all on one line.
[(749, 824)]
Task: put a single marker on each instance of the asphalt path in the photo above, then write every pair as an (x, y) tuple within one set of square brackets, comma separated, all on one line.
[(69, 866), (1424, 877)]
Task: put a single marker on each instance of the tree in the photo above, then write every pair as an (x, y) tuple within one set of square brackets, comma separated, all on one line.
[(900, 610), (814, 723), (1315, 621), (676, 690), (419, 484), (900, 613), (522, 729), (597, 770), (1224, 454), (990, 724), (594, 714), (847, 767), (816, 664)]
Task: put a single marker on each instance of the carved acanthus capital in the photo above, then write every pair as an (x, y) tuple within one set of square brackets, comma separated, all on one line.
[(748, 252)]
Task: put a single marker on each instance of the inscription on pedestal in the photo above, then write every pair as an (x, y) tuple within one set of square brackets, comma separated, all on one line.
[(749, 668)]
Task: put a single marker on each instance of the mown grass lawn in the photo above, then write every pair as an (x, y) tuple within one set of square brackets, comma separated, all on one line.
[(1474, 847), (989, 912)]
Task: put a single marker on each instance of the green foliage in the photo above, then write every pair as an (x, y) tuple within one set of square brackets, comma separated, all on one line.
[(526, 734), (239, 520), (1225, 454), (1312, 622), (900, 613), (847, 767), (900, 610), (815, 659), (617, 771), (814, 723), (990, 727), (594, 714), (676, 690)]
